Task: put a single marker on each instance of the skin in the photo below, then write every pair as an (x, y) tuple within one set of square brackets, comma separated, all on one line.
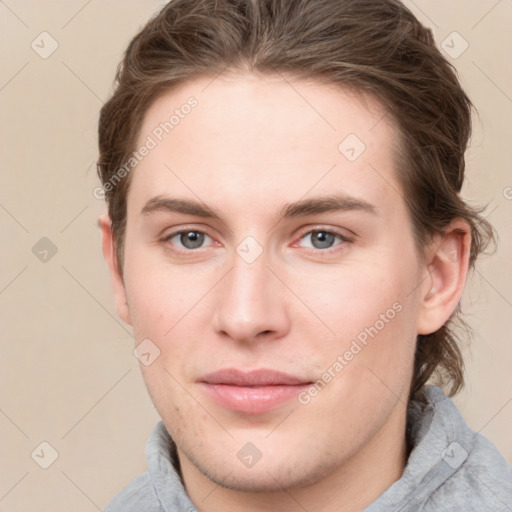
[(252, 146)]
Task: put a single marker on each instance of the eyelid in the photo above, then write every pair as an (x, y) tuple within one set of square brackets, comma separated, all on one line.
[(344, 233), (329, 251), (179, 231), (170, 231), (184, 229), (298, 236)]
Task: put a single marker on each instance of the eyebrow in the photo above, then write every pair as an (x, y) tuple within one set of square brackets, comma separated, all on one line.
[(302, 208), (185, 206), (323, 204)]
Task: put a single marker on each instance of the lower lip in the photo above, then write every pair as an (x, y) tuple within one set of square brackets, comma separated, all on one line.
[(252, 400)]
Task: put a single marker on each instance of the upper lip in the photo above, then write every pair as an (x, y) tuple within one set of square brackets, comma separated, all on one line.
[(261, 377)]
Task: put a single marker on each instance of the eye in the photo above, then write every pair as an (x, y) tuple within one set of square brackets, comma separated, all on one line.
[(188, 239), (322, 239)]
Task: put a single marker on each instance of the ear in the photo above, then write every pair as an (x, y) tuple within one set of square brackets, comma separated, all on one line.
[(447, 262), (109, 253)]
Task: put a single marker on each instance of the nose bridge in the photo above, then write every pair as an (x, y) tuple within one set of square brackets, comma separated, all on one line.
[(250, 301), (249, 281)]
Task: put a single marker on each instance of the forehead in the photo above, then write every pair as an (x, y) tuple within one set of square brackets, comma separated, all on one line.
[(254, 135)]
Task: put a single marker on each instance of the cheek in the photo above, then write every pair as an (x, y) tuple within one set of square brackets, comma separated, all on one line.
[(159, 294), (352, 298), (167, 306), (370, 312)]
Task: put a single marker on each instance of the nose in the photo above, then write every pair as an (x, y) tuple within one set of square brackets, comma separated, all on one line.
[(251, 303)]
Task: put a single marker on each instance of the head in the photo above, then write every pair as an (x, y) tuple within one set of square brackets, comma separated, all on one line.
[(296, 207)]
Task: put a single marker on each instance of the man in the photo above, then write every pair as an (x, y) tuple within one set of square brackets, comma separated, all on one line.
[(286, 237)]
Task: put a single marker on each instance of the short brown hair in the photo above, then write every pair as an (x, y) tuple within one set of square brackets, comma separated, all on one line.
[(376, 47)]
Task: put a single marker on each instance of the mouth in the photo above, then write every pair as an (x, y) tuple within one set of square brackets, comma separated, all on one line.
[(252, 392)]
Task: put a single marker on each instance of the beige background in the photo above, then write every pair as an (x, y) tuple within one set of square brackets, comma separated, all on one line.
[(68, 376)]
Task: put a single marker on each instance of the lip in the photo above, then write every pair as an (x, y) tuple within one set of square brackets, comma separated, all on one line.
[(252, 392)]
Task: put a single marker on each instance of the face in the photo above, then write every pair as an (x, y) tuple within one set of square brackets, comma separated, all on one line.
[(270, 260)]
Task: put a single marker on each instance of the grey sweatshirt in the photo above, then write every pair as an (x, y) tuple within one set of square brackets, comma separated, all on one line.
[(450, 468)]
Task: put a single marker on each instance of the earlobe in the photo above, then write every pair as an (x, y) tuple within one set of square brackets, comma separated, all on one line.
[(447, 265), (109, 253)]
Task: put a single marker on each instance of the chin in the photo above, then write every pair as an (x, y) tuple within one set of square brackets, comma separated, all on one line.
[(278, 472)]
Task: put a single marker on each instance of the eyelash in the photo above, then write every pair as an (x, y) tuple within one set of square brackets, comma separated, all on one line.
[(343, 240), (169, 237)]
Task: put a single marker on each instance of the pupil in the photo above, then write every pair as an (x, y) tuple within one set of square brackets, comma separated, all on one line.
[(322, 240), (192, 239)]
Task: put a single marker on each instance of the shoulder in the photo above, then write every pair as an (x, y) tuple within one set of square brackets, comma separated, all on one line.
[(483, 481), (479, 476), (450, 468), (137, 496)]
